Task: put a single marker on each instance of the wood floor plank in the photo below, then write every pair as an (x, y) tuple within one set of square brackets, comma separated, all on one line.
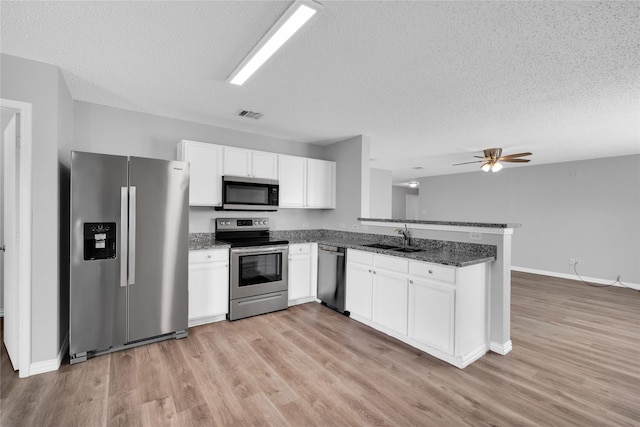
[(575, 361)]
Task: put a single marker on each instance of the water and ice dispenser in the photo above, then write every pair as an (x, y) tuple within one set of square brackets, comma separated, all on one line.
[(99, 240)]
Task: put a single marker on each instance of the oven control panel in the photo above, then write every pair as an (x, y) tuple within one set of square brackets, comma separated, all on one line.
[(242, 224)]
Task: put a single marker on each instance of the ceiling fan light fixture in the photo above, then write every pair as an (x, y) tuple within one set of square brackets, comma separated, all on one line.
[(496, 167), (486, 167), (300, 12)]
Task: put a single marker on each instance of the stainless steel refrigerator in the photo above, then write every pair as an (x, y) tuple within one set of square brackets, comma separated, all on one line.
[(129, 252)]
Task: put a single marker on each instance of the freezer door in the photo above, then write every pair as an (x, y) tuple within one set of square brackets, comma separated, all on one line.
[(158, 247), (98, 295)]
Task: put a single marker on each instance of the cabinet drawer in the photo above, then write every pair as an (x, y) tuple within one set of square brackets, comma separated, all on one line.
[(433, 271), (300, 248), (208, 255), (392, 263), (360, 257)]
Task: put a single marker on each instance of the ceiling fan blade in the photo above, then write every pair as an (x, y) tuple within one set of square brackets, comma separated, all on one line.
[(510, 156), (466, 163), (479, 157), (515, 160)]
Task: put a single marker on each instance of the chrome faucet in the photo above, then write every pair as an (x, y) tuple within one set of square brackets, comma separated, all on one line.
[(405, 234)]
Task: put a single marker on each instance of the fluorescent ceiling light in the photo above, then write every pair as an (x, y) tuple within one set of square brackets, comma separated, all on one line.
[(293, 19), (413, 184)]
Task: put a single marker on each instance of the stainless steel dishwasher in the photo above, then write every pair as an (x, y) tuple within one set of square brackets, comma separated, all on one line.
[(331, 277)]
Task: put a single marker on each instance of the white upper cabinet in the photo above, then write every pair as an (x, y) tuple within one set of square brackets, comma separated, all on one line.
[(306, 183), (255, 164), (205, 165), (265, 165), (293, 177), (321, 185)]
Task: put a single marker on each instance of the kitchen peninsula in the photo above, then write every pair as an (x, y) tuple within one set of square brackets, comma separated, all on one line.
[(497, 234), (434, 297)]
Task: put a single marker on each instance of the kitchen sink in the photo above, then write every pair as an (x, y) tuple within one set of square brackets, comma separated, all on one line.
[(407, 250), (381, 246)]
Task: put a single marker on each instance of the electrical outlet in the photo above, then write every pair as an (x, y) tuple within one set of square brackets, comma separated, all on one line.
[(355, 226), (475, 236), (365, 227)]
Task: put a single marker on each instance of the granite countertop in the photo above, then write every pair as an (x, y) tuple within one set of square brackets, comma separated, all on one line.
[(446, 256), (457, 254), (452, 223), (201, 241)]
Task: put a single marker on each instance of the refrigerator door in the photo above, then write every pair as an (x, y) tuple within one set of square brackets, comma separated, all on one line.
[(158, 247), (98, 295)]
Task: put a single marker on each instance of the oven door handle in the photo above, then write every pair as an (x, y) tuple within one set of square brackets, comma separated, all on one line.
[(260, 249)]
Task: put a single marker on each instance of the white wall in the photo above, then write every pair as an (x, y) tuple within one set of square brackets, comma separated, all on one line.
[(380, 201), (109, 130), (39, 84), (352, 189), (399, 201), (585, 209)]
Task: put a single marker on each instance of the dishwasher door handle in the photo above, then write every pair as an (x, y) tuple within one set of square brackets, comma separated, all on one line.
[(332, 253)]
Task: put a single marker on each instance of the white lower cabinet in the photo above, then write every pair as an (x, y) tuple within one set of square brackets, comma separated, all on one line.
[(431, 314), (208, 286), (359, 292), (303, 272), (439, 309), (390, 300)]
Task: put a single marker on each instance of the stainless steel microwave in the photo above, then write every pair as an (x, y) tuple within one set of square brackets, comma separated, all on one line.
[(241, 193)]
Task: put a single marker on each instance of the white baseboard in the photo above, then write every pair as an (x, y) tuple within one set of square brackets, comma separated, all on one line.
[(303, 300), (206, 319), (501, 348), (52, 364), (596, 280)]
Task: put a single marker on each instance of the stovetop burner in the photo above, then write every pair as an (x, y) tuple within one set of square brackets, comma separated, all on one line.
[(245, 232)]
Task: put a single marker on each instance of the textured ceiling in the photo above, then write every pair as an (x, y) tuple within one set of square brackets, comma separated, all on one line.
[(431, 83)]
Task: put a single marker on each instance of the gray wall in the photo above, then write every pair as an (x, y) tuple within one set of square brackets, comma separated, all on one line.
[(380, 182), (110, 130), (352, 177), (585, 209), (65, 141), (399, 201), (39, 84)]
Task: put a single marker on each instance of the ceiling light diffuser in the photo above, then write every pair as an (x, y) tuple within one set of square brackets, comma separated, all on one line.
[(413, 184), (300, 12), (496, 167)]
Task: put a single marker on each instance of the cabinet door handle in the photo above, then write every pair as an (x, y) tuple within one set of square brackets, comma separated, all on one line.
[(374, 272), (369, 271), (411, 281), (430, 271)]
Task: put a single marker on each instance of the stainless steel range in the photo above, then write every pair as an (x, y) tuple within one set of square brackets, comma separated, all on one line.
[(258, 278)]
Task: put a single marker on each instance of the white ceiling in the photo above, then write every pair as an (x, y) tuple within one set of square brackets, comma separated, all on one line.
[(431, 83)]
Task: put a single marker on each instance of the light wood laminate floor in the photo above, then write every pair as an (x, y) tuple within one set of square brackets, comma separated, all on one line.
[(575, 361)]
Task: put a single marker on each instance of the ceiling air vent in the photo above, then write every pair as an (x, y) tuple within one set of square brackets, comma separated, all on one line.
[(250, 114)]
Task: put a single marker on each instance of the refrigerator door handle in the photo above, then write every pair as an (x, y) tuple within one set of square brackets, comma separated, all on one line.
[(132, 235), (124, 235)]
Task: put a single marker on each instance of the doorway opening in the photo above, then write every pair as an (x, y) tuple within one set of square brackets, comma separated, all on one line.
[(16, 232)]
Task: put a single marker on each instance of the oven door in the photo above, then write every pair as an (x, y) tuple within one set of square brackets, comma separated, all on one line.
[(258, 270)]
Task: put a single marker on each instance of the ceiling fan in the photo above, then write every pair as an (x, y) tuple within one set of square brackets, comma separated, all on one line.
[(493, 157)]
